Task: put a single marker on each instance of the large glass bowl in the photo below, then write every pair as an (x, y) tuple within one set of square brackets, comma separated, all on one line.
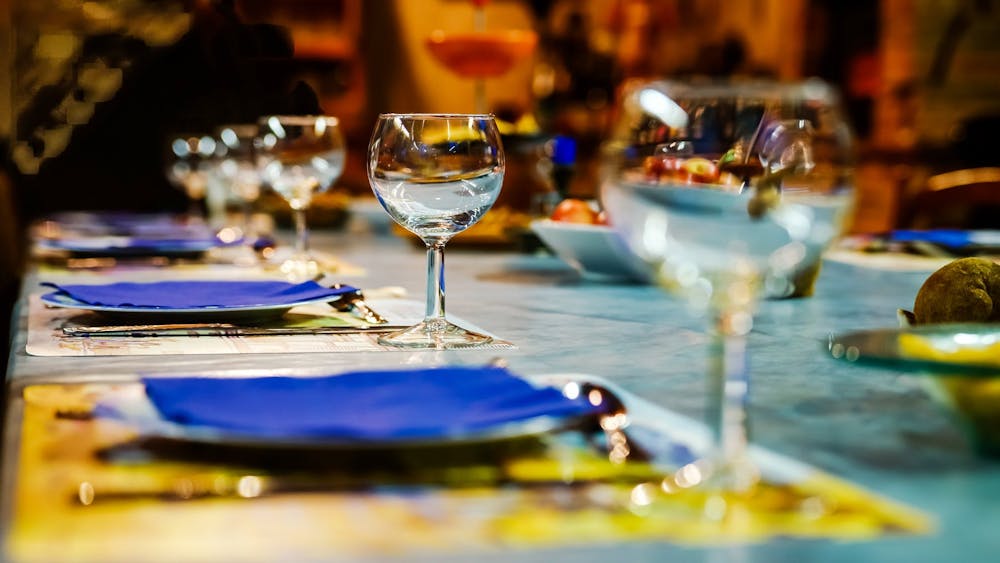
[(728, 192)]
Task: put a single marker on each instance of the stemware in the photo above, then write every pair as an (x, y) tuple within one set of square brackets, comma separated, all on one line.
[(436, 175), (481, 54), (722, 239), (235, 166), (300, 156), (186, 160)]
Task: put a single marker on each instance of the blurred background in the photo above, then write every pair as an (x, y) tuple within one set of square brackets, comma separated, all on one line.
[(89, 89)]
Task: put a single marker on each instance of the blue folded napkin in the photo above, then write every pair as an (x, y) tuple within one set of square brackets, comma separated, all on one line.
[(192, 294), (137, 244), (953, 238), (392, 405)]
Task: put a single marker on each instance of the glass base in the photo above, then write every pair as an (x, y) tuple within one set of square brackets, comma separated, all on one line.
[(240, 255), (729, 480), (300, 268), (438, 335)]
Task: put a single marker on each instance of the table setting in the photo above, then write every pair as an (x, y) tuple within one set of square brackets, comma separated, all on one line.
[(117, 315), (503, 456), (162, 405)]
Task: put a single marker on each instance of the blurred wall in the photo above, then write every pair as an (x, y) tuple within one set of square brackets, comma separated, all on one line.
[(956, 58)]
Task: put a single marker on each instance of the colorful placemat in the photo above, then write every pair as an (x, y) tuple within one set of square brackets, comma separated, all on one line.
[(93, 486), (46, 337)]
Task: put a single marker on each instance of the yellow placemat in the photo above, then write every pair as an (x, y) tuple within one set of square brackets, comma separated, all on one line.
[(87, 491)]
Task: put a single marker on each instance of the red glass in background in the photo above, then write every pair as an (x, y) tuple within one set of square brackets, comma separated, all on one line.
[(480, 55)]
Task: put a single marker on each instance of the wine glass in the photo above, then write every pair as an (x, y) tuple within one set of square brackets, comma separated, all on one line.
[(722, 239), (235, 166), (186, 166), (436, 175), (300, 156)]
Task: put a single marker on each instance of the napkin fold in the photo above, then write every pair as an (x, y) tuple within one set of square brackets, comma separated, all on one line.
[(364, 405), (193, 294), (119, 243)]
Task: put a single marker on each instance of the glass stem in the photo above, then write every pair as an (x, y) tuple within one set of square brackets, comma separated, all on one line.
[(479, 95), (196, 209), (247, 210), (435, 283), (729, 390), (479, 19), (301, 234)]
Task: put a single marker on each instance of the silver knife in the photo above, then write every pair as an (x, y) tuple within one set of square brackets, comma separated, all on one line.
[(218, 329)]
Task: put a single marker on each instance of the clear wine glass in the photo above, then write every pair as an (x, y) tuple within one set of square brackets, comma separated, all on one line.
[(235, 165), (186, 166), (436, 175), (300, 156), (724, 242)]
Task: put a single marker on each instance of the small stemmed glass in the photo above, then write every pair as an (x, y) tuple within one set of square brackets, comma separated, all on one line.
[(299, 157), (236, 166), (186, 162), (720, 247), (436, 175)]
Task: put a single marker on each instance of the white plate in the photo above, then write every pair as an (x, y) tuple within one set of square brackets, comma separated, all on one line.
[(239, 313), (596, 251)]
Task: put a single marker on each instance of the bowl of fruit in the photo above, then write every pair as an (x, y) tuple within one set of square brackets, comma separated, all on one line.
[(579, 233)]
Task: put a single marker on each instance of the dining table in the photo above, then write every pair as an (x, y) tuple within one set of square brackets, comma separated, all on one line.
[(873, 430)]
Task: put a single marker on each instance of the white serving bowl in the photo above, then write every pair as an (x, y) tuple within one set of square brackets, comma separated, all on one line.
[(595, 251)]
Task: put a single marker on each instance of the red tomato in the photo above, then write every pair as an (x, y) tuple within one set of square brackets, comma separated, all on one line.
[(571, 210)]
